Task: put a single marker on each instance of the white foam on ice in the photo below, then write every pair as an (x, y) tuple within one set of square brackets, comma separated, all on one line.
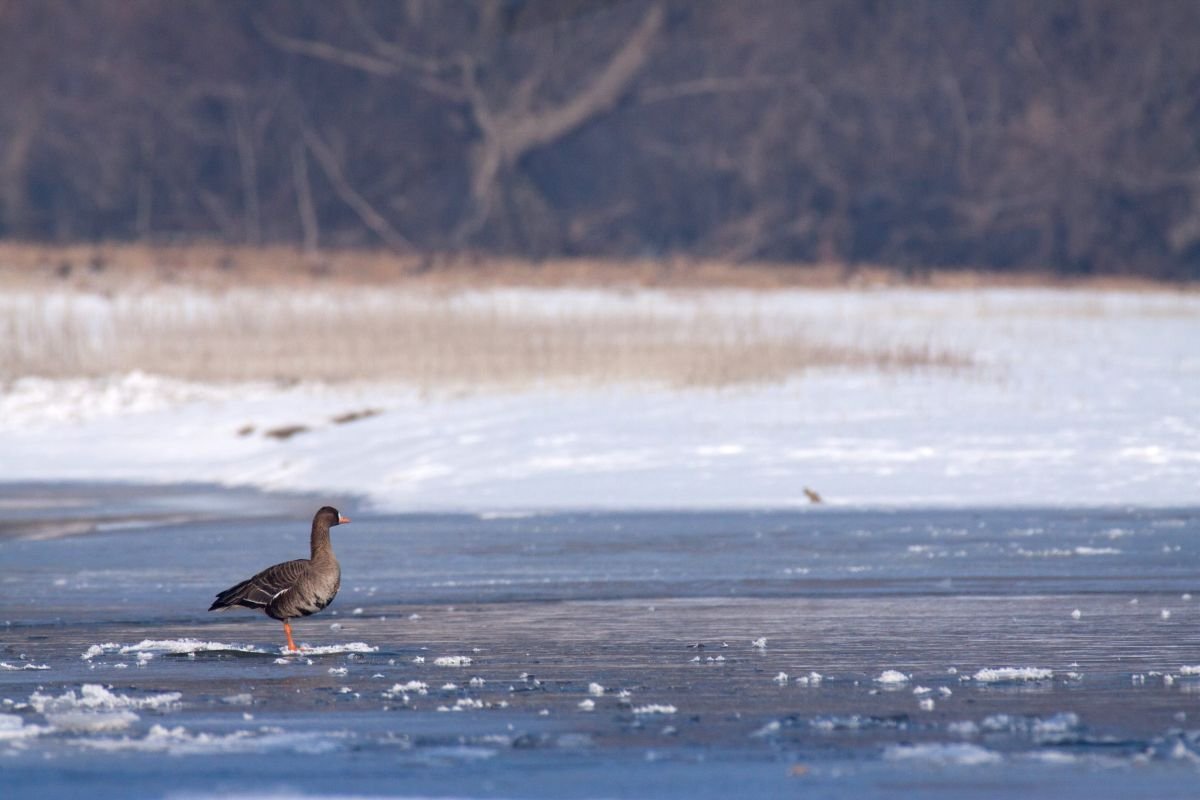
[(1068, 552), (955, 754), (892, 677), (768, 729), (180, 741), (1012, 674), (148, 648), (1053, 757), (172, 647), (94, 697), (811, 679), (99, 650), (332, 649), (452, 661), (1055, 727), (13, 727), (416, 687), (963, 728), (89, 721), (1084, 550)]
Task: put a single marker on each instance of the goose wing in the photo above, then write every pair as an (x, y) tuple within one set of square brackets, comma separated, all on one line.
[(259, 591)]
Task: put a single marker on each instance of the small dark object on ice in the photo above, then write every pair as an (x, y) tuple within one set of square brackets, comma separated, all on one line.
[(286, 431)]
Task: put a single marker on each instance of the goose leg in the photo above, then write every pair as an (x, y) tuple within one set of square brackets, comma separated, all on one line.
[(287, 628)]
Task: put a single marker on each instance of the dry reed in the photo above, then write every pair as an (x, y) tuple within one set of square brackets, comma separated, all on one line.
[(426, 339), (116, 267)]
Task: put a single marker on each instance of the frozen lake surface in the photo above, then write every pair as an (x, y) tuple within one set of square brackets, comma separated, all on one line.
[(832, 653)]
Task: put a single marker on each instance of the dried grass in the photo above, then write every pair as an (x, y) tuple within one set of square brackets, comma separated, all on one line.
[(109, 267), (427, 339), (213, 312)]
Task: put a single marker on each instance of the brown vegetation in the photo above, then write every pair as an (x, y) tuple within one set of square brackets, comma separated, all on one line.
[(115, 267), (423, 338)]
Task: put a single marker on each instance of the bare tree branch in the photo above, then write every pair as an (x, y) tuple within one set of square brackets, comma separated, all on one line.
[(332, 168), (390, 50), (309, 223), (717, 85), (249, 172), (393, 61), (328, 52), (599, 96), (514, 131)]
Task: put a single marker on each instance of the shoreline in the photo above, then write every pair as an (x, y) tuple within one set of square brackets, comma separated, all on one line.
[(108, 266), (41, 510)]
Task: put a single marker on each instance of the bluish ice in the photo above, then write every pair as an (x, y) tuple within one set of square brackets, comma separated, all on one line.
[(832, 653)]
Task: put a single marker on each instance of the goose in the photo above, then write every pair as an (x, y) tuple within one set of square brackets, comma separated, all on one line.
[(296, 588)]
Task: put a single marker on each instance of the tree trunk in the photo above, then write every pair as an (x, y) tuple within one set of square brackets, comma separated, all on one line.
[(14, 169)]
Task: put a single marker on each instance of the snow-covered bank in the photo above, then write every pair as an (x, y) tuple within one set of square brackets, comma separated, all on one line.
[(1079, 398)]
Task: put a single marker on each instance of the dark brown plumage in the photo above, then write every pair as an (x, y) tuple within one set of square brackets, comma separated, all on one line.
[(294, 588)]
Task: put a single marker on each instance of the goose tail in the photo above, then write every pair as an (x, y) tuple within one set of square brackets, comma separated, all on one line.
[(235, 596)]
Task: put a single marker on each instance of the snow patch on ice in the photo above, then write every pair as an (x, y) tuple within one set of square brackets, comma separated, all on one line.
[(892, 677), (418, 687), (1052, 757), (166, 647), (1056, 727), (452, 661), (963, 728), (99, 649), (86, 721), (1068, 552), (180, 741), (13, 727), (966, 755), (1012, 674), (93, 696), (334, 649)]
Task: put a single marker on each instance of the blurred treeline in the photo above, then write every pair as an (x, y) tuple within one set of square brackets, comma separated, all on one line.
[(1006, 134)]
